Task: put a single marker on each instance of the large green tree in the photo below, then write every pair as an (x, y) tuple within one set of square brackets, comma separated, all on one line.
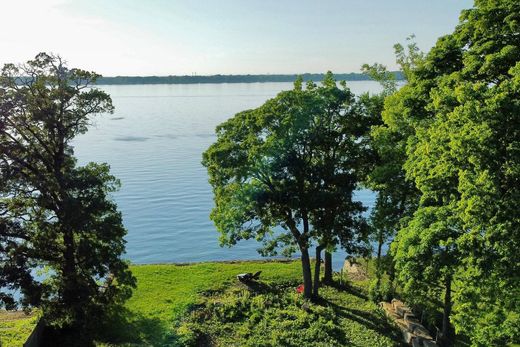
[(396, 195), (284, 173), (462, 104), (57, 216)]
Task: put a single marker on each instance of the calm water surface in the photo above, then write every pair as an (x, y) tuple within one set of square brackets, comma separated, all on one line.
[(154, 143)]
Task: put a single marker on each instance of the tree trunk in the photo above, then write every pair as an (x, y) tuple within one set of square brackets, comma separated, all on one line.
[(391, 270), (379, 267), (69, 268), (306, 262), (302, 241), (307, 275), (317, 267), (446, 325), (72, 290), (327, 276)]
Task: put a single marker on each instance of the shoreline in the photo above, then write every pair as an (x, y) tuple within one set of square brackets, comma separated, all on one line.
[(234, 261)]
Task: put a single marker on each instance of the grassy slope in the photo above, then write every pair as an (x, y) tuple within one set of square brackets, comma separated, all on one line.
[(275, 315), (166, 293), (15, 328)]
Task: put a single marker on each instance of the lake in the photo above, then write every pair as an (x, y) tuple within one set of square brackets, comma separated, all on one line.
[(153, 143)]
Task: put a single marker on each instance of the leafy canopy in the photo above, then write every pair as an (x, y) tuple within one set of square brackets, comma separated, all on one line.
[(461, 109), (56, 216), (284, 173)]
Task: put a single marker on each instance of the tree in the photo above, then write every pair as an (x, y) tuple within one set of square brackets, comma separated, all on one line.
[(461, 103), (56, 215), (291, 164), (385, 175)]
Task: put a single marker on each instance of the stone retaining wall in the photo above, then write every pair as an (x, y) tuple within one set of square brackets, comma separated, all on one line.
[(414, 333)]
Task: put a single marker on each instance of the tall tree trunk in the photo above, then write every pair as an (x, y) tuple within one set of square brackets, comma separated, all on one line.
[(306, 262), (327, 276), (307, 275), (72, 290), (446, 325), (302, 242), (69, 290), (317, 267), (379, 266)]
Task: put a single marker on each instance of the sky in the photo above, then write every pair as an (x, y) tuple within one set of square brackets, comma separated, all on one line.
[(173, 37)]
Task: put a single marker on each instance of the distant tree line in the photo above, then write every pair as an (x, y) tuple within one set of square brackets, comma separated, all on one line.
[(233, 78)]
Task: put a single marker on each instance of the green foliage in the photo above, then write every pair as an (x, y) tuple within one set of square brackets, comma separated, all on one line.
[(381, 290), (459, 125), (425, 257), (15, 328), (396, 195), (267, 320), (55, 215), (203, 303), (379, 73), (278, 316), (166, 293), (408, 58), (291, 164)]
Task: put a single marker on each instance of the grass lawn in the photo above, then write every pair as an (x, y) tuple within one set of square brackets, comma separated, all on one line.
[(166, 292), (15, 327), (203, 304)]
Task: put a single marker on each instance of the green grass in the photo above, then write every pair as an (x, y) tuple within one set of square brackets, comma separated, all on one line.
[(275, 315), (203, 304), (166, 292), (15, 328)]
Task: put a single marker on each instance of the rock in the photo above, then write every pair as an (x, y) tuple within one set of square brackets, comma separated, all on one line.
[(389, 310), (417, 342), (409, 316), (396, 303), (411, 325), (402, 310), (421, 331), (354, 271), (413, 331), (408, 336)]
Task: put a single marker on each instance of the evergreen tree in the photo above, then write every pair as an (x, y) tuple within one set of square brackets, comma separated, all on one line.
[(55, 215)]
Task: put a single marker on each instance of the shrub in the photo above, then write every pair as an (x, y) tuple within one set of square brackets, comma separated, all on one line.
[(385, 291)]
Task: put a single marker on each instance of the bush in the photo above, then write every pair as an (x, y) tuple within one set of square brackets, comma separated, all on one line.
[(382, 292), (281, 318)]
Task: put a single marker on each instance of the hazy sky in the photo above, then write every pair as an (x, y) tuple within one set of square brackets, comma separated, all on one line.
[(163, 37)]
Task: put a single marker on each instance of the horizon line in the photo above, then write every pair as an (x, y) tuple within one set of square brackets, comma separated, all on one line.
[(246, 74)]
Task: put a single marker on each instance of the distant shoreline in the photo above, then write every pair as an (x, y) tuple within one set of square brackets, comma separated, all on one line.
[(121, 80)]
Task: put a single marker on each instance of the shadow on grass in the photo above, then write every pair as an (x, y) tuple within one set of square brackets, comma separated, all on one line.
[(373, 321), (125, 327), (353, 290), (258, 287)]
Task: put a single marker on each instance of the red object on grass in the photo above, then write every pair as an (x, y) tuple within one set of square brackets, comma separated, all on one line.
[(300, 288)]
